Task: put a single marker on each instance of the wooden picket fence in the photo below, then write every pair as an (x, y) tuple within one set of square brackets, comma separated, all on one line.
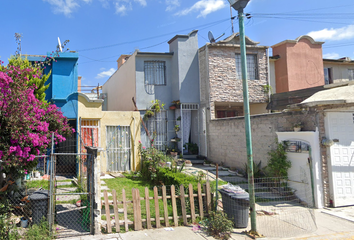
[(206, 201)]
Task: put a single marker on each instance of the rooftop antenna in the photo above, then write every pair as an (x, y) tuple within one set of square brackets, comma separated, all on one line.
[(211, 37), (59, 45)]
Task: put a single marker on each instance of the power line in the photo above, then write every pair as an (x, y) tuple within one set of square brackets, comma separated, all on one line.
[(162, 35)]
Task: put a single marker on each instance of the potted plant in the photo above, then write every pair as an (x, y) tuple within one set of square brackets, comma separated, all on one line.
[(174, 153), (297, 126), (175, 104), (156, 107), (188, 163), (176, 128)]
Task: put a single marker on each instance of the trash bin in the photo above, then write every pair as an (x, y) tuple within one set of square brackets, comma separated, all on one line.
[(236, 207), (240, 209), (39, 201), (226, 201)]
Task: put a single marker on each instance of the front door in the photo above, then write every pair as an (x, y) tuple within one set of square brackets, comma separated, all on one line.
[(340, 128)]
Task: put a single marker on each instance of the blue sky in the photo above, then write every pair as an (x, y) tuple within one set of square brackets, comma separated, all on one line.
[(102, 30)]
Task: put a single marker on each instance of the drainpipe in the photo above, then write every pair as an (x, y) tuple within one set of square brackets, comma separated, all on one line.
[(181, 129), (134, 160)]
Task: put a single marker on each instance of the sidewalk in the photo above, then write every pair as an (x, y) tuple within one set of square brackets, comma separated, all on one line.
[(328, 227)]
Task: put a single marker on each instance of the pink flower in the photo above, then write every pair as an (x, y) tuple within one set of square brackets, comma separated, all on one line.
[(143, 147)]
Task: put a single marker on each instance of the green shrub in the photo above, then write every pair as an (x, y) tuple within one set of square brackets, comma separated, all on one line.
[(218, 225), (169, 177), (40, 231), (278, 163)]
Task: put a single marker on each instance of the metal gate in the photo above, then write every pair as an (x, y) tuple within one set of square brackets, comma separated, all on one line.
[(70, 211), (157, 127), (118, 148)]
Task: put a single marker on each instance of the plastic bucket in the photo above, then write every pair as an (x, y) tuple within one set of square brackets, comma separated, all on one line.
[(24, 222)]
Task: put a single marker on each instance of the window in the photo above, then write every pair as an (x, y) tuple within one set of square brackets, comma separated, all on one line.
[(154, 72), (226, 113), (252, 66), (351, 74), (90, 133), (328, 75)]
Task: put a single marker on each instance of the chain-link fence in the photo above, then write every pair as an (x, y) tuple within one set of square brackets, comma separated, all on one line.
[(70, 195), (56, 195)]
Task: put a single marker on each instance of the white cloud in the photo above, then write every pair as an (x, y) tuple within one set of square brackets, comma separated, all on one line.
[(346, 32), (142, 2), (331, 56), (204, 7), (122, 6), (106, 73), (65, 7), (172, 4)]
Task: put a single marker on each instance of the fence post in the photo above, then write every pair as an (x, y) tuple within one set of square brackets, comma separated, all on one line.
[(95, 190)]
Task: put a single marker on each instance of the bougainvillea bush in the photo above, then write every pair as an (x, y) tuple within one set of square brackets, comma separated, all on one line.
[(26, 124)]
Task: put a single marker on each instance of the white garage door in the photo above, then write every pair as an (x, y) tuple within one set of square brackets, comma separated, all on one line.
[(340, 126)]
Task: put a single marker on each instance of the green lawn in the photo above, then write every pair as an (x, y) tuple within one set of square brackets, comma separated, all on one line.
[(130, 182)]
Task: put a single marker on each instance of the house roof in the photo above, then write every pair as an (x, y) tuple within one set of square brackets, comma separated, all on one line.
[(340, 60), (155, 53), (234, 41), (336, 95), (182, 36), (298, 39)]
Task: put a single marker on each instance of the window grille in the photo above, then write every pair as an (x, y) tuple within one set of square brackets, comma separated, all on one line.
[(157, 127), (90, 133), (154, 72), (252, 67), (118, 148)]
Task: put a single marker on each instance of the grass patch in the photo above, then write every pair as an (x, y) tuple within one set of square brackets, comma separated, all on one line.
[(38, 184)]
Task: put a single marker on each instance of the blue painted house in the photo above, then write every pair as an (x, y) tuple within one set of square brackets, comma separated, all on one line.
[(63, 92)]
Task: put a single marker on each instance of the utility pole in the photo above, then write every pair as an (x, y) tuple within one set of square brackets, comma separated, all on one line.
[(239, 5)]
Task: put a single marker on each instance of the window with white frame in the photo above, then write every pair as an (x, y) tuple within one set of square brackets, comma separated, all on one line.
[(328, 75), (154, 72), (252, 66), (351, 74)]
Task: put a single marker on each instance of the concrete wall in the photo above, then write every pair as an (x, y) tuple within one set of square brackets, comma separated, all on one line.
[(162, 93), (185, 67), (93, 110), (120, 87), (226, 137), (300, 65)]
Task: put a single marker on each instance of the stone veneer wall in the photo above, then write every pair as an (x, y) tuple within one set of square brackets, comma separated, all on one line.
[(222, 81)]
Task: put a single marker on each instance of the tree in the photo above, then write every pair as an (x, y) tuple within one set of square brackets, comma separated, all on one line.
[(26, 123), (35, 75)]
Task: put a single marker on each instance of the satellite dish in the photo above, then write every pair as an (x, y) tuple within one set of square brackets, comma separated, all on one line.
[(211, 37), (59, 44)]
